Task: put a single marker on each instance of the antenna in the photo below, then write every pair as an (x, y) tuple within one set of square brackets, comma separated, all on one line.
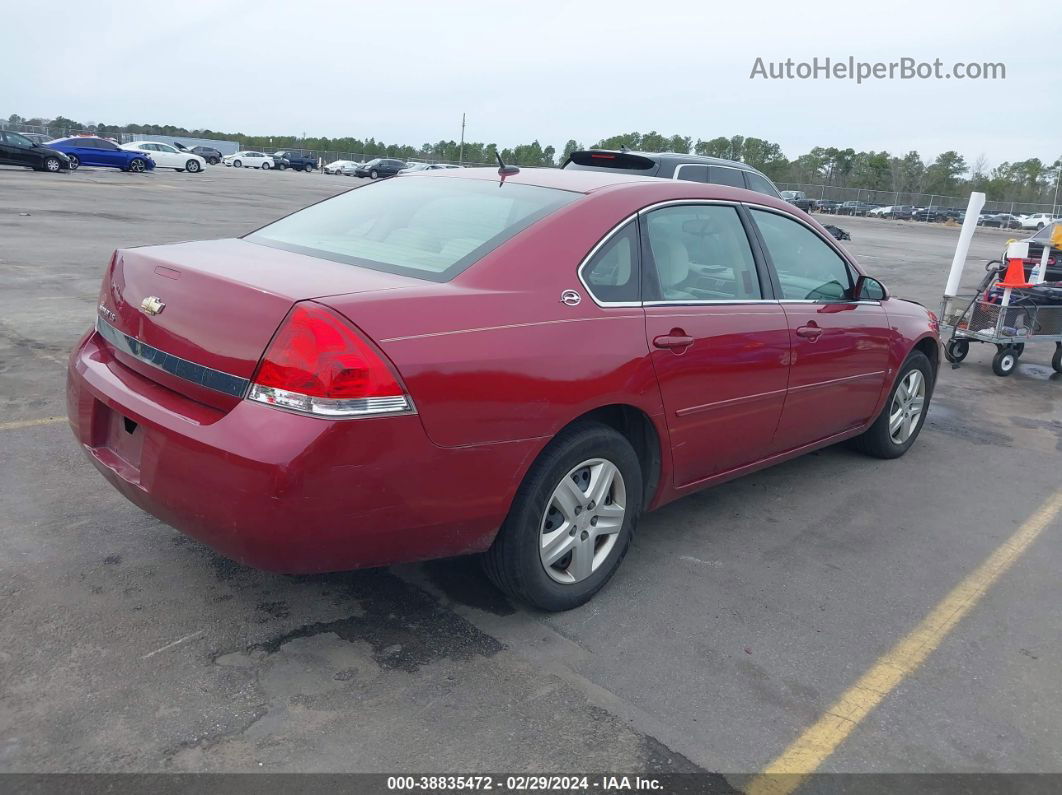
[(504, 170)]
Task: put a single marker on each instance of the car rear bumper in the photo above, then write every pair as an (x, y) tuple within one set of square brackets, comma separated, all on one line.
[(285, 492)]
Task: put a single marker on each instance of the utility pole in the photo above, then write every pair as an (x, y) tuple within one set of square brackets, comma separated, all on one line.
[(461, 155), (1058, 173)]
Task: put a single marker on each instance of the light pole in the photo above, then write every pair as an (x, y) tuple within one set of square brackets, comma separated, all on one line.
[(1058, 173), (461, 154)]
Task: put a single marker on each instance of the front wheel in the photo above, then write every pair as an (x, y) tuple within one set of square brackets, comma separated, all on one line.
[(1056, 360), (237, 164), (136, 165), (571, 521), (265, 167), (1005, 362), (374, 174), (213, 161), (51, 164), (192, 166), (898, 425)]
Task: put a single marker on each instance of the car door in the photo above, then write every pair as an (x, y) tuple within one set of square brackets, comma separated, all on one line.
[(167, 156), (86, 152), (10, 152), (718, 339), (839, 346)]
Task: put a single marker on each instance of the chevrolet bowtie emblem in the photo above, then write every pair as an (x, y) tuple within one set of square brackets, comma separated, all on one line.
[(152, 305)]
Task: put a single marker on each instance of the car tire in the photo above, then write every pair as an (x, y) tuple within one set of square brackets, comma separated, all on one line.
[(956, 350), (881, 440), (75, 162), (237, 164), (1005, 362), (1039, 226), (137, 165), (569, 470), (374, 174), (192, 167), (1056, 360), (265, 167), (307, 169), (213, 161), (51, 164)]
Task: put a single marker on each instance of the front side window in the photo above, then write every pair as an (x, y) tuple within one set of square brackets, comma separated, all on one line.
[(807, 266), (427, 228), (701, 253), (612, 273), (764, 186)]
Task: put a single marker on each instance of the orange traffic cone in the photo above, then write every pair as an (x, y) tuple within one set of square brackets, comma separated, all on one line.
[(1015, 276)]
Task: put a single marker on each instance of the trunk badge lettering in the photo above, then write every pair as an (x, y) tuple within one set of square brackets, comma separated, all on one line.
[(107, 313), (152, 305)]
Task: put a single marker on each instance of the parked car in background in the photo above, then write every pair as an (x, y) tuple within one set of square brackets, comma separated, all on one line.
[(1000, 221), (208, 153), (828, 206), (293, 159), (853, 208), (673, 165), (1037, 220), (18, 150), (37, 138), (345, 167), (379, 167), (166, 156), (413, 168), (88, 150), (395, 379), (248, 159), (798, 198)]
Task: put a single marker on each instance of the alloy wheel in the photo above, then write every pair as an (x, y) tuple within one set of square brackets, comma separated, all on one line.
[(907, 404), (137, 165), (582, 521)]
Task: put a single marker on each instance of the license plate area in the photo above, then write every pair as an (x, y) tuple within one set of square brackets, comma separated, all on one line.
[(118, 440)]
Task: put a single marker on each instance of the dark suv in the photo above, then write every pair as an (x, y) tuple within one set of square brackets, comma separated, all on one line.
[(380, 167), (673, 165)]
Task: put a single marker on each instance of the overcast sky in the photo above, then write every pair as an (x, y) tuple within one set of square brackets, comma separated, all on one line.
[(404, 71)]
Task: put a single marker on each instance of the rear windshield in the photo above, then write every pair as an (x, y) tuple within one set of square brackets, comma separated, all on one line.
[(428, 227), (612, 161)]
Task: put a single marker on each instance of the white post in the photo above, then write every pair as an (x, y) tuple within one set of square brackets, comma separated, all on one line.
[(962, 248)]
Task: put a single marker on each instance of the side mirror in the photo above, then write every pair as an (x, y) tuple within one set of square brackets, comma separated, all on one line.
[(870, 289)]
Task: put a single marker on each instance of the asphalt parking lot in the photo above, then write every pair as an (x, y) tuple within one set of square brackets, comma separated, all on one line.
[(738, 618)]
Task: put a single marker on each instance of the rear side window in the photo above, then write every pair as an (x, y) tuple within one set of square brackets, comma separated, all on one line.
[(721, 175), (427, 228), (692, 172), (701, 253), (808, 268), (764, 186), (612, 274)]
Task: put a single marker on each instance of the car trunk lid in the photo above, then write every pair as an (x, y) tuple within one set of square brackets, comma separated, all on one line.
[(196, 317)]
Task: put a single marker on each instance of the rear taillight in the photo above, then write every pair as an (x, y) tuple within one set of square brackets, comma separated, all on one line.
[(318, 364)]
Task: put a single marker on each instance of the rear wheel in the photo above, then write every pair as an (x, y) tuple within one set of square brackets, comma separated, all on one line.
[(1056, 360), (956, 350), (898, 425), (571, 521), (74, 162), (213, 161)]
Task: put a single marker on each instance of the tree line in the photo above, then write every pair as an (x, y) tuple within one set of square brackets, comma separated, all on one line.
[(949, 174)]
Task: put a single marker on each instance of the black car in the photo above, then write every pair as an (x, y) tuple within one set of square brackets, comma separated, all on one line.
[(208, 153), (380, 167), (853, 208), (674, 165), (1001, 221), (827, 206), (295, 160), (798, 199), (18, 150)]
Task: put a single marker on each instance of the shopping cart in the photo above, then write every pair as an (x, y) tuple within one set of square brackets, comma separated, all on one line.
[(1025, 315)]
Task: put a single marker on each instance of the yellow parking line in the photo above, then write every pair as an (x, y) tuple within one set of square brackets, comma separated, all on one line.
[(804, 756), (11, 426)]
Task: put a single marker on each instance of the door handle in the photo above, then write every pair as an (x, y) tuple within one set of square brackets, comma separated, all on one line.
[(810, 332), (676, 339)]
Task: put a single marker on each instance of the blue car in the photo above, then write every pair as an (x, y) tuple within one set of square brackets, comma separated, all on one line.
[(87, 150)]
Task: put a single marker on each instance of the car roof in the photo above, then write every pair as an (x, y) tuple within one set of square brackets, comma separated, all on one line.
[(681, 157), (589, 182)]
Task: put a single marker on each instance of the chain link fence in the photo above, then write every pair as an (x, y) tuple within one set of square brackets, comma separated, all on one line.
[(919, 200)]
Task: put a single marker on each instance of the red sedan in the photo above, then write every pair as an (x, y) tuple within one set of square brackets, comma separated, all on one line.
[(459, 362)]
